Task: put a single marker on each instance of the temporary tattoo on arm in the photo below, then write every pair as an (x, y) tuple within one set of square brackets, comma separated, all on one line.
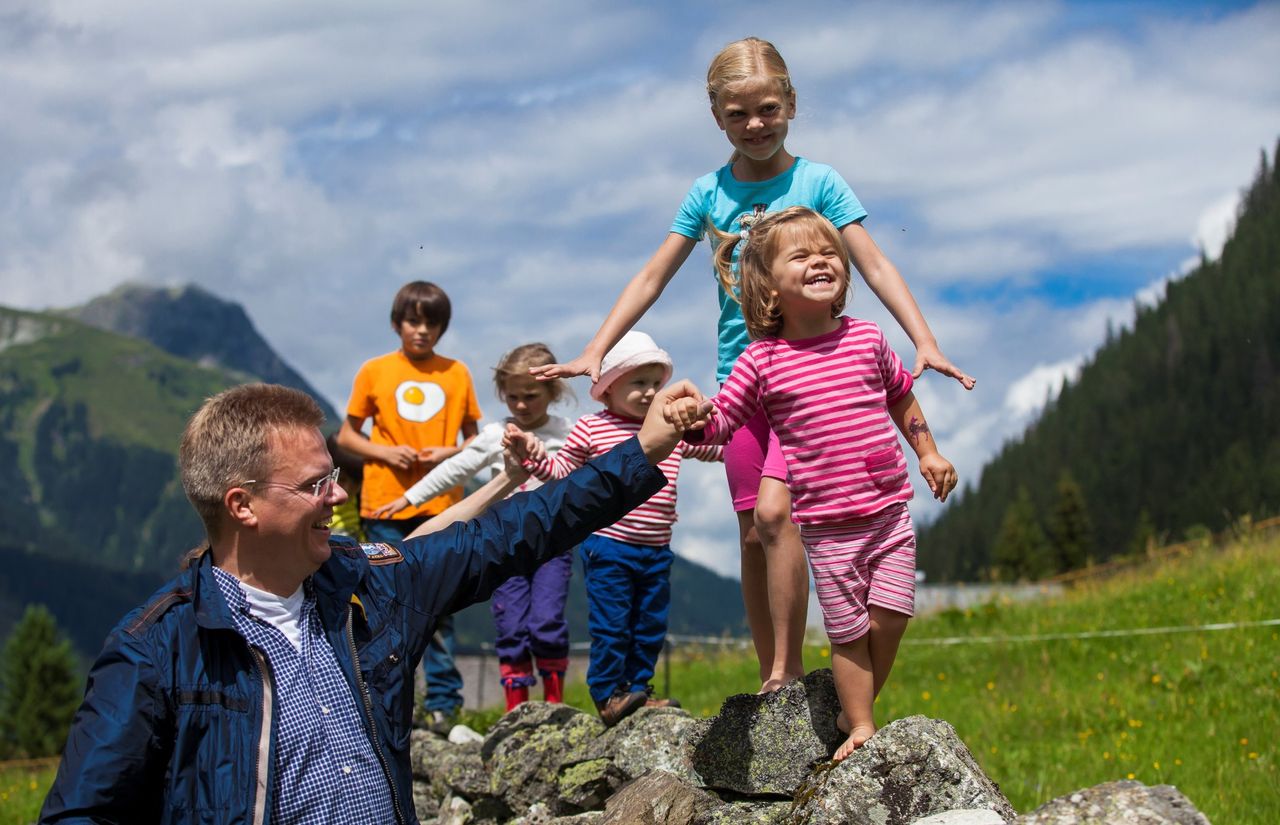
[(917, 430)]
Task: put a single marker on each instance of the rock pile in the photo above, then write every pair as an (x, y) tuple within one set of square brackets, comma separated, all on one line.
[(762, 760)]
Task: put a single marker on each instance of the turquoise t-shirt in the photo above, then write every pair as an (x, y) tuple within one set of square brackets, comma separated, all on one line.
[(724, 199)]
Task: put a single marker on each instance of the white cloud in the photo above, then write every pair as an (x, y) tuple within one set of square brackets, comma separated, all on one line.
[(1028, 395), (1216, 224)]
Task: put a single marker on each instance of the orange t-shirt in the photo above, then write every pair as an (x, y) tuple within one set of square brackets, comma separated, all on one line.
[(418, 403)]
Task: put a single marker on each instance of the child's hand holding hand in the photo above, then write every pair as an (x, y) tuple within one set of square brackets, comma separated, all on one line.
[(939, 474), (524, 447), (389, 510), (688, 413)]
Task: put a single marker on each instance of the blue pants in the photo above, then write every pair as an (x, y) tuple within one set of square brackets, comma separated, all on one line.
[(528, 617), (444, 682), (628, 599)]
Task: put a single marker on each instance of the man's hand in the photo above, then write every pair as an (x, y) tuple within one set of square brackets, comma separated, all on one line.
[(688, 413), (939, 474), (657, 436)]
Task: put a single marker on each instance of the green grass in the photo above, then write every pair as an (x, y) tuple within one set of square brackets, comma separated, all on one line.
[(1197, 710), (22, 791)]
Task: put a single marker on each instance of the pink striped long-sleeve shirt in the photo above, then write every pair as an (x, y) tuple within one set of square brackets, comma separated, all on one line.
[(828, 400), (596, 434)]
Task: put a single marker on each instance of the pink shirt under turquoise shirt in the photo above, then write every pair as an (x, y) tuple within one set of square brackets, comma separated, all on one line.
[(828, 400)]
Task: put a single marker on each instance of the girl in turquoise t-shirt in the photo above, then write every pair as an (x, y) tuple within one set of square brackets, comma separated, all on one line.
[(753, 103)]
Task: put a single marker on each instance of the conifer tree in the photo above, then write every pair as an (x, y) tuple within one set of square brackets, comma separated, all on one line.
[(39, 687), (1144, 534), (1021, 550), (1070, 528)]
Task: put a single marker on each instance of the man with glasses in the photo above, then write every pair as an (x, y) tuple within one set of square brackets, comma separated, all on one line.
[(272, 680)]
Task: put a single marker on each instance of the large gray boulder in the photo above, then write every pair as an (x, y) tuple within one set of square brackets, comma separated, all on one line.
[(526, 750), (447, 767), (1118, 803), (768, 744), (747, 812), (911, 769), (651, 739), (658, 798)]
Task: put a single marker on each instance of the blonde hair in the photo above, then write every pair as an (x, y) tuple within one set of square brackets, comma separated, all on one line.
[(748, 59), (518, 362), (752, 285), (227, 442)]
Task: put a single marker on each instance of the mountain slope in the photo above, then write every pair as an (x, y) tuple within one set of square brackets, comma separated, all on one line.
[(89, 422), (93, 512), (1176, 421), (193, 324)]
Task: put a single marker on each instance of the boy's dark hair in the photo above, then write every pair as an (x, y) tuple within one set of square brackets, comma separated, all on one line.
[(422, 299)]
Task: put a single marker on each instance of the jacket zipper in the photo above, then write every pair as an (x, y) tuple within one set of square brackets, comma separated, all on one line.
[(373, 727), (262, 759)]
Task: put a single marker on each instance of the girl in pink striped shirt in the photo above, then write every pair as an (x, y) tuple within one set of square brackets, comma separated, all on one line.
[(833, 391)]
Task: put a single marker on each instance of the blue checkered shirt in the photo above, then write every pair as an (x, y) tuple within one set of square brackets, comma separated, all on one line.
[(325, 767)]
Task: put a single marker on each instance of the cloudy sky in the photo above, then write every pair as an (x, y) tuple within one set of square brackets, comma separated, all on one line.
[(1033, 168)]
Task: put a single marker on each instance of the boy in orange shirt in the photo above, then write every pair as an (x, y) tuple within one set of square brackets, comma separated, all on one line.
[(420, 402)]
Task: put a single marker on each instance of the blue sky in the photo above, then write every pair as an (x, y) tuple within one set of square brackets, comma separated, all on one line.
[(1032, 168)]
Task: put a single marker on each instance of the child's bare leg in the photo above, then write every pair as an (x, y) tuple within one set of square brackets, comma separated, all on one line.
[(755, 592), (851, 667), (887, 628), (787, 582)]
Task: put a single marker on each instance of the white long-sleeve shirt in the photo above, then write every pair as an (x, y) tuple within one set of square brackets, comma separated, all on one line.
[(484, 451)]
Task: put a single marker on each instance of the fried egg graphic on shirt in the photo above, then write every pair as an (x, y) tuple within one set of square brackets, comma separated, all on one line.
[(419, 400)]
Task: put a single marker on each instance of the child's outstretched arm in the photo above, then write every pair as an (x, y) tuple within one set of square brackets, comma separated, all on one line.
[(885, 281), (937, 471), (636, 298)]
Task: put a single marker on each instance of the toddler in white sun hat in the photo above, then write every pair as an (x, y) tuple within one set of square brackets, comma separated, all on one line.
[(626, 566)]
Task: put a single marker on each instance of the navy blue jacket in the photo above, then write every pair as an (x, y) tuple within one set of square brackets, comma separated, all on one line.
[(176, 721)]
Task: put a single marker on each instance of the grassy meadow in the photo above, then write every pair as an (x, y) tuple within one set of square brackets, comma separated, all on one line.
[(1196, 709), (23, 786)]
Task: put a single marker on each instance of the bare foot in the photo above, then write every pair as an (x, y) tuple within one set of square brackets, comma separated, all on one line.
[(858, 737), (776, 683)]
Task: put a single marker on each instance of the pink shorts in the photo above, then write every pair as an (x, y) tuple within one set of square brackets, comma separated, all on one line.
[(856, 564), (752, 453)]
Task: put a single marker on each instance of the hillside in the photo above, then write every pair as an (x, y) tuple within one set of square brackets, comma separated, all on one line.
[(89, 421), (191, 323), (1174, 423), (94, 515)]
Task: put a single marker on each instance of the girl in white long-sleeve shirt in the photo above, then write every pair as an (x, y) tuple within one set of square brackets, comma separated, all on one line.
[(528, 611)]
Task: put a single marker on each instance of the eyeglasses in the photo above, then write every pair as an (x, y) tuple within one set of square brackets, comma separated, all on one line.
[(320, 488)]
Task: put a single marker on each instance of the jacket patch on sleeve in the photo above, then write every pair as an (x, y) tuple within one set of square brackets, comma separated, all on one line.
[(381, 553)]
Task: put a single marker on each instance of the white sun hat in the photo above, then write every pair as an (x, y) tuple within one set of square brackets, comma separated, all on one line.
[(634, 350)]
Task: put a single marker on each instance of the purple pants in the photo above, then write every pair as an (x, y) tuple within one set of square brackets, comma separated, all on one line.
[(528, 616)]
